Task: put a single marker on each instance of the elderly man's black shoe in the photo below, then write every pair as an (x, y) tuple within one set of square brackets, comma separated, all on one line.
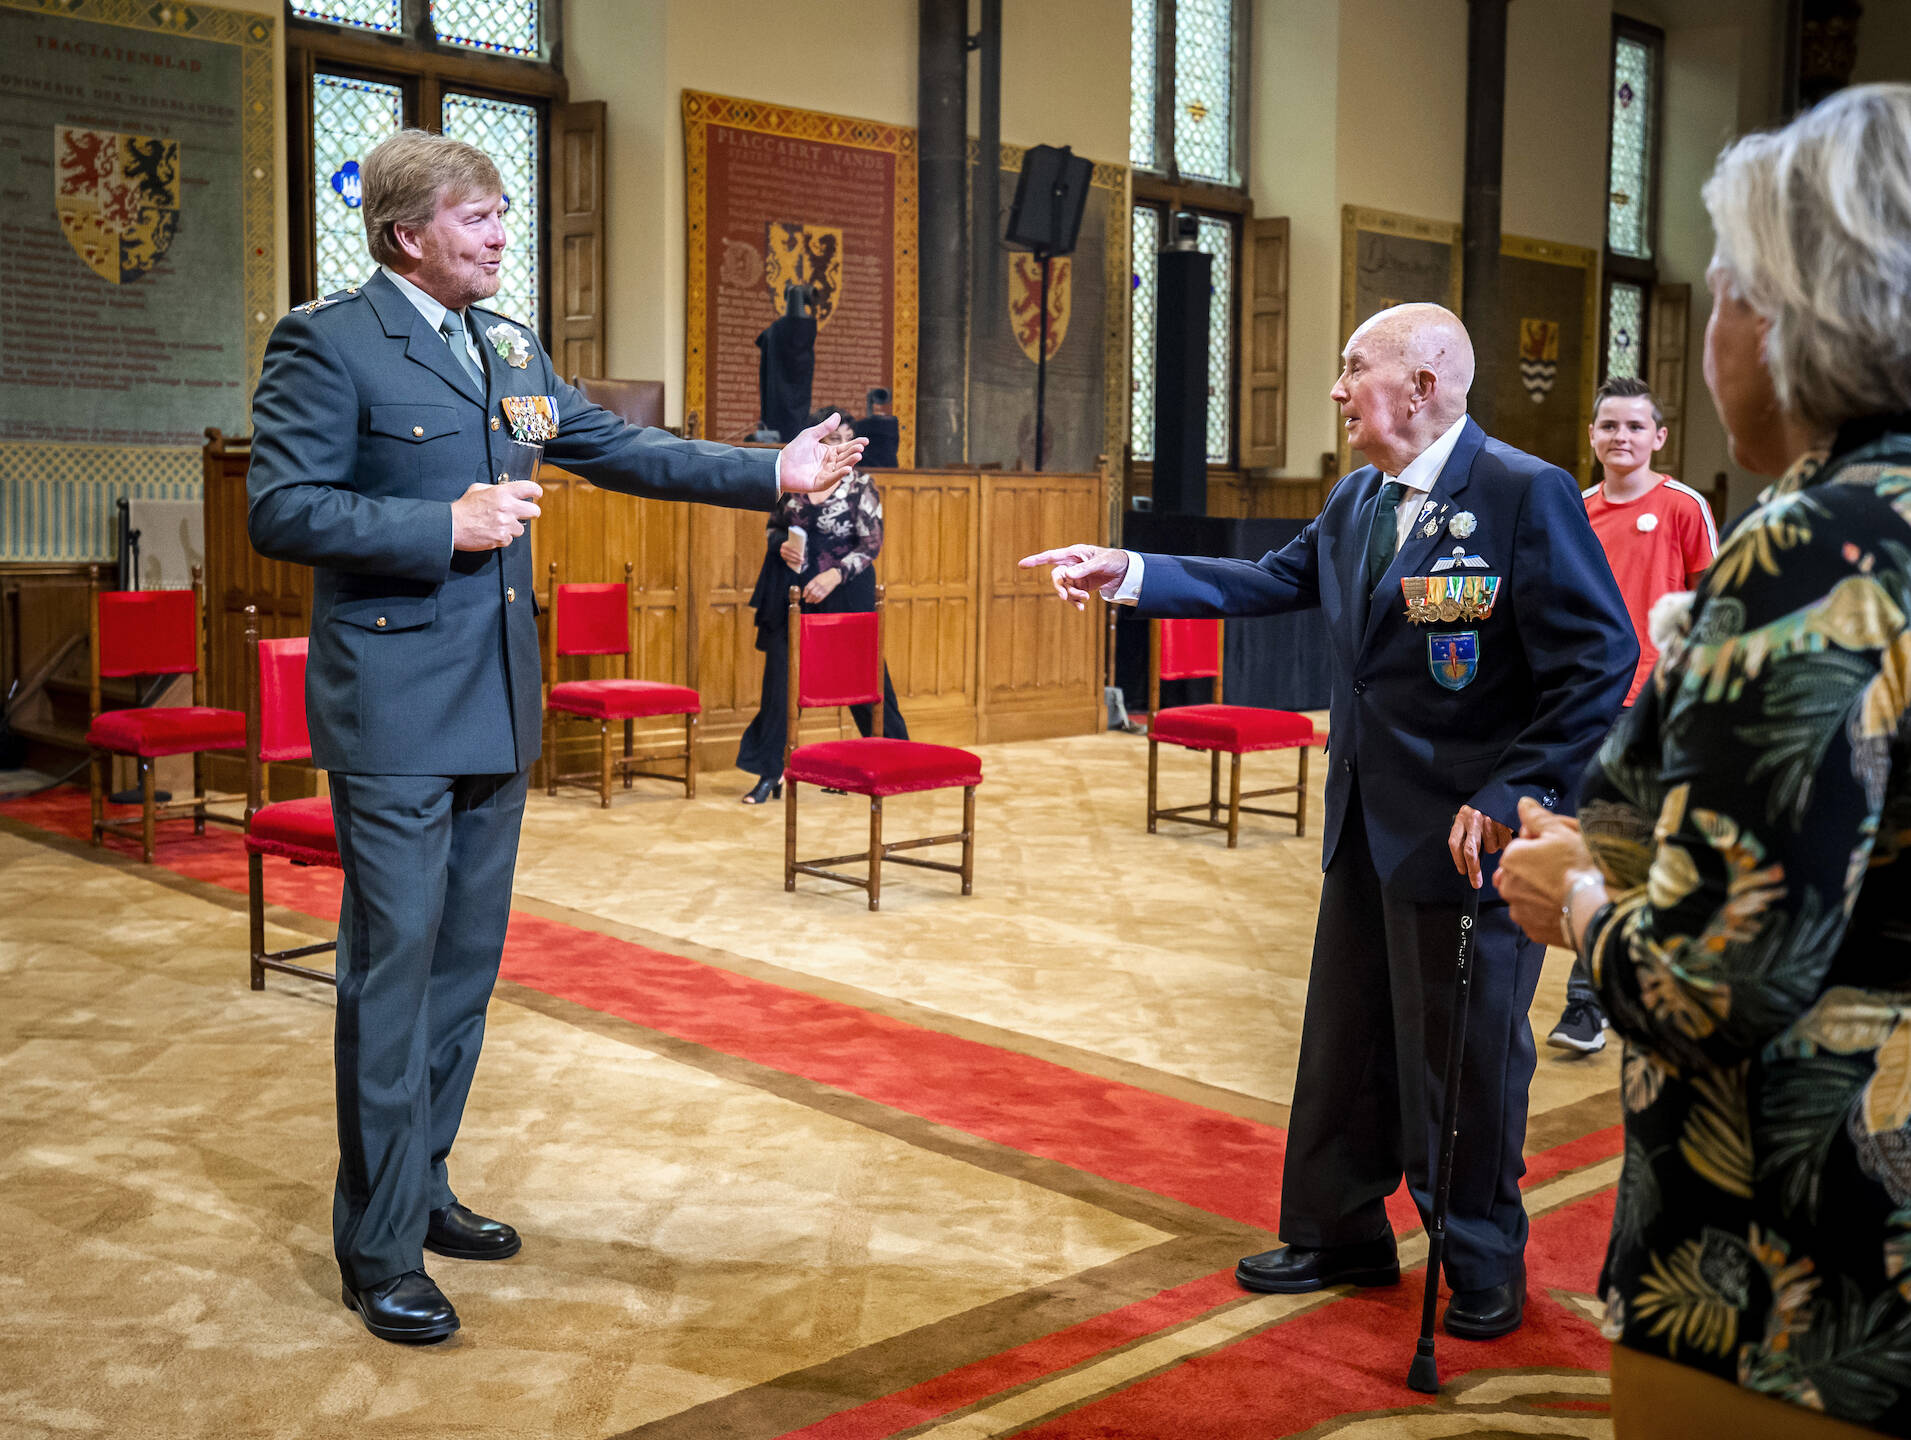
[(407, 1309), (1295, 1270), (1489, 1313), (462, 1235)]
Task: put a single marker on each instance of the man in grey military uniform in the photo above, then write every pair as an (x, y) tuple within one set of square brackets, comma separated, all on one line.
[(379, 437)]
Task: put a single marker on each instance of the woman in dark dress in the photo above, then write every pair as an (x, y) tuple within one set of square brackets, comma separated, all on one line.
[(1738, 880), (836, 567)]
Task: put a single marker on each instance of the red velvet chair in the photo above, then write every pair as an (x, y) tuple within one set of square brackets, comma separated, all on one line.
[(152, 632), (595, 620), (837, 660), (296, 830), (1191, 650)]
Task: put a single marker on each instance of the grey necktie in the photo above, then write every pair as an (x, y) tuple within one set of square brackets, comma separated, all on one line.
[(454, 332)]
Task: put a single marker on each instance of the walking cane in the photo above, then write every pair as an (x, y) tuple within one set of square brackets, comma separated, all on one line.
[(1424, 1374)]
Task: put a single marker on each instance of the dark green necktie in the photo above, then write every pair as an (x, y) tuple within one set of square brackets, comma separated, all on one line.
[(454, 332), (1384, 538)]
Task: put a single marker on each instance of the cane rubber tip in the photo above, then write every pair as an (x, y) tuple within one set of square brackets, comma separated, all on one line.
[(1424, 1375)]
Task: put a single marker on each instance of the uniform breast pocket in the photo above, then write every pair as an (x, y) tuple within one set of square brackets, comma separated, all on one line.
[(423, 444)]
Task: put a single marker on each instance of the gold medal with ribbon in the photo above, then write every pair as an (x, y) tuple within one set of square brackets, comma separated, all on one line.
[(1448, 599), (532, 418)]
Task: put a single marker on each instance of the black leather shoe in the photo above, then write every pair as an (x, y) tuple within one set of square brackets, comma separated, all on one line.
[(407, 1309), (766, 791), (1490, 1313), (1296, 1270), (456, 1232)]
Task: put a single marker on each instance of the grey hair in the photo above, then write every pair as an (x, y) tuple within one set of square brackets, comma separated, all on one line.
[(405, 176), (1814, 233)]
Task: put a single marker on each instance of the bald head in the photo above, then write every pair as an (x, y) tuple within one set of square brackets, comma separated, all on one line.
[(1404, 382)]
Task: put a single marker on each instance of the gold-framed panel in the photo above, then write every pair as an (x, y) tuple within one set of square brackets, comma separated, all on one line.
[(1358, 220), (700, 111), (1583, 258)]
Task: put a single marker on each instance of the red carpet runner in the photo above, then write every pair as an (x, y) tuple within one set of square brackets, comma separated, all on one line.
[(1345, 1359)]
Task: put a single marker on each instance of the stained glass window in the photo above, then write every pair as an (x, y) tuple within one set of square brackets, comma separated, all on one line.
[(1625, 330), (1216, 238), (1142, 47), (1144, 244), (1629, 193), (1203, 99), (508, 134), (504, 27), (380, 15), (348, 118)]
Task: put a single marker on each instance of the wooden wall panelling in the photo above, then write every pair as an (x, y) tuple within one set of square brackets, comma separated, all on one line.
[(928, 572), (1040, 659)]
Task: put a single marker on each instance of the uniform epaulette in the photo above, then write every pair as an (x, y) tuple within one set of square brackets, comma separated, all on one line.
[(312, 307)]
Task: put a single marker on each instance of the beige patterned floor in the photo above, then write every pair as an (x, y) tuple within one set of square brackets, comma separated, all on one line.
[(696, 1228)]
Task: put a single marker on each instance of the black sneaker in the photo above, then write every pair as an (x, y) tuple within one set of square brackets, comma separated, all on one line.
[(1582, 1027)]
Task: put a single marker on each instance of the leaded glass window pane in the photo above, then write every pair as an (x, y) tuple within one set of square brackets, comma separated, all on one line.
[(382, 15), (504, 27), (1625, 330), (1629, 193), (508, 134), (1144, 249), (1203, 86), (349, 117), (1142, 49), (1216, 238)]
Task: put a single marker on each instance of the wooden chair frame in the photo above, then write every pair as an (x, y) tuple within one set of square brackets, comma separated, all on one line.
[(879, 850), (258, 781), (101, 761), (629, 764), (1213, 804)]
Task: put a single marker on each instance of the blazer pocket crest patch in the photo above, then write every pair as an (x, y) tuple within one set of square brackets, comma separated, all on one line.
[(1454, 658), (532, 418)]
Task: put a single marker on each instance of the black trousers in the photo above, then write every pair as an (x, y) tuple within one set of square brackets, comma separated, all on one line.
[(1368, 1096), (761, 749), (428, 861)]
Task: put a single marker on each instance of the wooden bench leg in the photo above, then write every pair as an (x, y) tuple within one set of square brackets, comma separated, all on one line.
[(789, 835), (875, 851), (255, 905), (550, 754), (690, 757), (97, 774), (147, 801), (603, 764), (968, 839), (198, 797), (1234, 798), (1300, 798), (1214, 786), (1154, 765), (629, 730)]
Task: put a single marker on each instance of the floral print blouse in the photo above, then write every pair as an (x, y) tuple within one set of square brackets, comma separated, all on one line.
[(1750, 814), (845, 527)]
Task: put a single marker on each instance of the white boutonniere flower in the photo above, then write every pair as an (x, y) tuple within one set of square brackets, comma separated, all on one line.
[(510, 343), (1670, 618), (1462, 525)]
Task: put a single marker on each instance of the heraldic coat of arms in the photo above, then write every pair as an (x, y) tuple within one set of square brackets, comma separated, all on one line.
[(117, 197), (812, 255)]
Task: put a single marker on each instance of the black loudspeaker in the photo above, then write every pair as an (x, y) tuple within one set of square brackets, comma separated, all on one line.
[(1049, 198), (1182, 297)]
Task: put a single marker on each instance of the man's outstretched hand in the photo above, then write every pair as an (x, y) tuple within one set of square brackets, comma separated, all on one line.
[(1081, 570), (809, 464)]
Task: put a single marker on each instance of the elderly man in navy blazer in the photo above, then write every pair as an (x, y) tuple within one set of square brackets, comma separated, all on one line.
[(1480, 650), (380, 458)]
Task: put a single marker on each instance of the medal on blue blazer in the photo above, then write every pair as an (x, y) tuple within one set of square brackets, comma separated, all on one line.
[(1443, 599), (1454, 658), (533, 418)]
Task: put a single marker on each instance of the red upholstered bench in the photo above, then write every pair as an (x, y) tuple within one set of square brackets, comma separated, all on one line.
[(595, 620), (837, 660), (296, 830), (1191, 650)]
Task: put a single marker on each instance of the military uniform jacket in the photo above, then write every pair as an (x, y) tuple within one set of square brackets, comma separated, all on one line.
[(424, 660), (1450, 708)]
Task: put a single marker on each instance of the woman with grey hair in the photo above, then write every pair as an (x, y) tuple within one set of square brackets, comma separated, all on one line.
[(1738, 879)]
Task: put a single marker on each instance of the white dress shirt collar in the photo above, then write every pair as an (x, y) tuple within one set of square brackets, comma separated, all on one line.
[(1420, 476), (432, 310)]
